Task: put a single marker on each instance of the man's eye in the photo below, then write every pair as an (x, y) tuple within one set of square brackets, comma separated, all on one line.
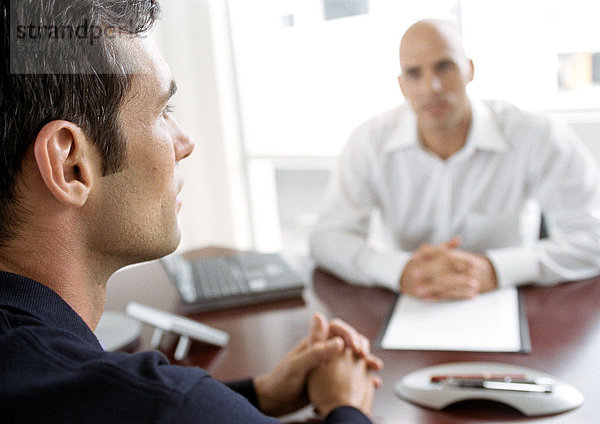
[(446, 66), (169, 109), (412, 73)]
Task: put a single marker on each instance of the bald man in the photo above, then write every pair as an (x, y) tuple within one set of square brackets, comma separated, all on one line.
[(459, 185)]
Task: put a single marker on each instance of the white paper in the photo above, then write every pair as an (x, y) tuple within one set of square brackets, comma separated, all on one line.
[(486, 323)]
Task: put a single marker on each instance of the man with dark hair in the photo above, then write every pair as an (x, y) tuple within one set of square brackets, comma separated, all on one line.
[(90, 183)]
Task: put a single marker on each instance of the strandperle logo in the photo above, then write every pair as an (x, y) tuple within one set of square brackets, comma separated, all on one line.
[(41, 46), (82, 31)]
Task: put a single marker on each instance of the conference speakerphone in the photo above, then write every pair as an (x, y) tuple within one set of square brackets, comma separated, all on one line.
[(527, 390)]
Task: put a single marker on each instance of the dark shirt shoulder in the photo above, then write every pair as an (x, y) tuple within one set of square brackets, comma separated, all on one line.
[(54, 370)]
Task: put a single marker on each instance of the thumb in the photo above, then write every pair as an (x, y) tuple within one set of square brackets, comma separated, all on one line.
[(453, 243), (319, 352), (319, 330)]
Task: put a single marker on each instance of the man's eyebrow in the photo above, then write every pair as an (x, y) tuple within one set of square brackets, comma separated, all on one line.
[(170, 93), (410, 69), (445, 61)]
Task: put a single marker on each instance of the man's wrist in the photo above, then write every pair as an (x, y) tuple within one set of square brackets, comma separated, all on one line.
[(491, 282), (261, 387)]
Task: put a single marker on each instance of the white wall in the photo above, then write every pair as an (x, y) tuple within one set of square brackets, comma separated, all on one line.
[(586, 125), (194, 39)]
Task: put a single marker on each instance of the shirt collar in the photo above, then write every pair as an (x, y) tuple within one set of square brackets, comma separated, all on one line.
[(484, 133), (43, 303), (405, 135)]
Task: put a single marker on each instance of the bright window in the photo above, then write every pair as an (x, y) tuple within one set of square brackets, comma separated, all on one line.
[(309, 71)]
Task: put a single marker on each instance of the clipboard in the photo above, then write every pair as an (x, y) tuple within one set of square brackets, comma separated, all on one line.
[(458, 326)]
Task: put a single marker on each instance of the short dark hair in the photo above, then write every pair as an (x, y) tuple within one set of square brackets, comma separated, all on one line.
[(56, 74)]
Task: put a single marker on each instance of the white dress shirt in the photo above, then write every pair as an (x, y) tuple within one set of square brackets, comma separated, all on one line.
[(489, 193)]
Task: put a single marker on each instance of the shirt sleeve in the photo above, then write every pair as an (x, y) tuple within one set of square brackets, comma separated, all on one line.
[(565, 181), (246, 389), (343, 414), (346, 414), (339, 241), (514, 266), (213, 401)]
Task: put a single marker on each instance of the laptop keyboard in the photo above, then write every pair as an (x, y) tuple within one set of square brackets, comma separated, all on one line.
[(243, 278), (218, 277)]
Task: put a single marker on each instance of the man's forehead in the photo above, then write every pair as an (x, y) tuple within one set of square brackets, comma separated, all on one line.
[(151, 74), (430, 42), (142, 55), (429, 53)]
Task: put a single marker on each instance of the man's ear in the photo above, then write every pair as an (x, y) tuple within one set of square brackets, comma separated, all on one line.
[(401, 84), (470, 70), (66, 160)]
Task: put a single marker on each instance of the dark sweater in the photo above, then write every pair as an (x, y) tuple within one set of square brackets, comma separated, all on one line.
[(54, 370)]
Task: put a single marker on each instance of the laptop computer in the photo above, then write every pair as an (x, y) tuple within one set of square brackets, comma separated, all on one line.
[(235, 279)]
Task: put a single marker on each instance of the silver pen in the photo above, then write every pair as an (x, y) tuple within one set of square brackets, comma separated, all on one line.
[(517, 383)]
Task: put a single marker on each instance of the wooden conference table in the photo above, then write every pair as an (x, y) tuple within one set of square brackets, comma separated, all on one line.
[(564, 322)]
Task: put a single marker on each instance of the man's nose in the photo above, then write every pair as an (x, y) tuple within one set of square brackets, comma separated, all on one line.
[(184, 144), (434, 83)]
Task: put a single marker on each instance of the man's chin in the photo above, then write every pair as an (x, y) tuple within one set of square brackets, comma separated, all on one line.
[(434, 121), (166, 247), (172, 246)]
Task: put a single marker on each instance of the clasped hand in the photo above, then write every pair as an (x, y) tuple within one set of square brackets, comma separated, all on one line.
[(444, 272), (329, 368)]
